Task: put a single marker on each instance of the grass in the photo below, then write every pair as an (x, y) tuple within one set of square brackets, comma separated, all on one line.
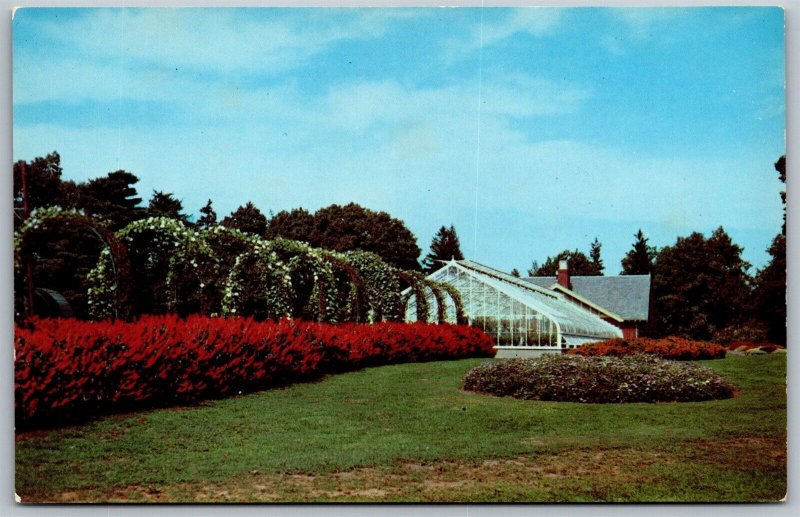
[(406, 433)]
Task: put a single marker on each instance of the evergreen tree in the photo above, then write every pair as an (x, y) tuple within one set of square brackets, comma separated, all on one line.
[(515, 273), (639, 260), (248, 219), (594, 256), (534, 268), (164, 204), (208, 217), (444, 246), (112, 199)]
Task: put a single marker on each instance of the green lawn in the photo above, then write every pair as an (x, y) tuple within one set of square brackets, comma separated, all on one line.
[(406, 433)]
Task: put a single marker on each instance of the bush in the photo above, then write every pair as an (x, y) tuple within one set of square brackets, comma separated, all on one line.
[(676, 348), (65, 369), (569, 378)]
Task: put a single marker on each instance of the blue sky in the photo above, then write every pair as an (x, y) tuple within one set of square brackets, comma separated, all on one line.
[(531, 130)]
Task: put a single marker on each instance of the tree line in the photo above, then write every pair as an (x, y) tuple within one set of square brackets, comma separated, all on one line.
[(701, 287)]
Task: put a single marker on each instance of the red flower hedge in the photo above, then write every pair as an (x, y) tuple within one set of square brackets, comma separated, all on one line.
[(67, 369), (677, 348)]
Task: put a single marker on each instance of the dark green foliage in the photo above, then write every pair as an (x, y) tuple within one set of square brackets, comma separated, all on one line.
[(594, 256), (164, 204), (780, 166), (62, 253), (770, 283), (208, 217), (353, 227), (770, 292), (444, 246), (297, 224), (579, 265), (112, 199), (43, 182), (569, 378), (700, 286), (247, 219), (515, 273), (639, 260)]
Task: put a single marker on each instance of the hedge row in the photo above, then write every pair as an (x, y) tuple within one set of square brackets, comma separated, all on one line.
[(676, 348), (66, 369), (569, 378)]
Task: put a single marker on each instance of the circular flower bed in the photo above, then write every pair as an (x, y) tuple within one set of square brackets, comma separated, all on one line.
[(569, 378)]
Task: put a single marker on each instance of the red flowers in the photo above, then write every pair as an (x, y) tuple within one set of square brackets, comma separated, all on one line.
[(70, 368), (668, 348)]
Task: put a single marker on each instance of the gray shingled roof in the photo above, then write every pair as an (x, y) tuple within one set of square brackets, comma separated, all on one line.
[(627, 296)]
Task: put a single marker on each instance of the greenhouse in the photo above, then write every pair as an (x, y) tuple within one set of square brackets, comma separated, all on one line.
[(518, 314)]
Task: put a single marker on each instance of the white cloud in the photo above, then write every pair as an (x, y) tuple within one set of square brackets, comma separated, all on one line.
[(533, 21)]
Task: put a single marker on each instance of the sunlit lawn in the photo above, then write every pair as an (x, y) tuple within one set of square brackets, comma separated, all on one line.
[(406, 433)]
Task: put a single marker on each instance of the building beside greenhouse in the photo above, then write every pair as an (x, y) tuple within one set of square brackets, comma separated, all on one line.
[(524, 316)]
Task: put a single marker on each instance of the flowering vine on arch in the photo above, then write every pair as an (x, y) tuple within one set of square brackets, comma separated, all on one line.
[(455, 295), (163, 248), (116, 260), (418, 284), (258, 284), (381, 283), (313, 282), (353, 301)]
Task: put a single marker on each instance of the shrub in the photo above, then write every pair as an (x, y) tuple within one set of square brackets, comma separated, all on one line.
[(676, 348), (66, 369), (569, 378)]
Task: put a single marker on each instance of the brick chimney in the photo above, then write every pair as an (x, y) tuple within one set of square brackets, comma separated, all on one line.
[(563, 274)]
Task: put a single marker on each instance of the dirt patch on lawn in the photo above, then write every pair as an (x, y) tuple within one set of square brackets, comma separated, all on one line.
[(597, 474)]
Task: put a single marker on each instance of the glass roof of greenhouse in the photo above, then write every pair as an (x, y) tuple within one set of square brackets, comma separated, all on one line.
[(573, 321)]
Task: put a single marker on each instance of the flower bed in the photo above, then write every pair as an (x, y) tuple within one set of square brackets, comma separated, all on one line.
[(676, 348), (750, 347), (68, 369), (569, 378)]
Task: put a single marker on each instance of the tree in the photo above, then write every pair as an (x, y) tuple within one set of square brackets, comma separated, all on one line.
[(297, 224), (208, 219), (112, 198), (770, 292), (579, 265), (164, 204), (353, 227), (594, 255), (700, 286), (780, 166), (444, 246), (44, 184), (769, 296), (515, 273), (639, 260), (248, 219), (534, 268)]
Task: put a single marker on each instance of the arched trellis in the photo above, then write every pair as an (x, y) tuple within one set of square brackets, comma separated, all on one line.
[(227, 244), (117, 259), (418, 284), (354, 306), (307, 265), (382, 285), (455, 295), (190, 265), (269, 281)]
